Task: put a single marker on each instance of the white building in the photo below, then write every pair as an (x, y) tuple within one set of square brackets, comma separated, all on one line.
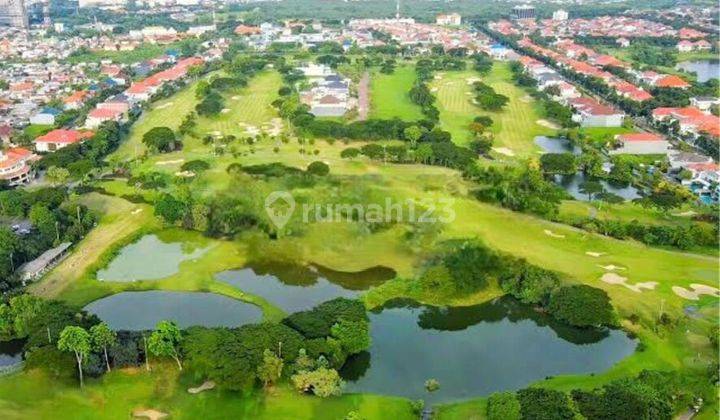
[(560, 15), (451, 19)]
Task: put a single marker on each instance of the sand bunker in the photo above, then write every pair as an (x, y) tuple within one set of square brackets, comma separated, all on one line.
[(688, 213), (163, 106), (434, 89), (696, 292), (548, 124), (206, 386), (225, 110), (471, 80), (504, 151), (136, 211), (149, 414), (612, 267), (594, 254), (169, 162), (612, 278), (438, 77), (215, 133), (235, 98), (526, 98), (185, 174), (553, 234)]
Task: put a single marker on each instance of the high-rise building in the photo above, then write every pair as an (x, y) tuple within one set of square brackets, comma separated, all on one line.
[(13, 13), (560, 15), (523, 12)]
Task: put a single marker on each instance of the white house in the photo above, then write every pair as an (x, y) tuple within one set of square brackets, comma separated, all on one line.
[(641, 144), (451, 19)]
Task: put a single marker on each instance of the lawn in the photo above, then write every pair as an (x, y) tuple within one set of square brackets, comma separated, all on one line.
[(141, 53), (515, 127), (115, 396), (389, 95)]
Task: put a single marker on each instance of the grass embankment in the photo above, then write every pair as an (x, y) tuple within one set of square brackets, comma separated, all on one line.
[(389, 96), (119, 393)]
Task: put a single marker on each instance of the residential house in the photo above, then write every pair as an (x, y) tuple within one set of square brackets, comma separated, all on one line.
[(591, 113), (15, 166), (59, 138), (76, 100), (641, 144), (704, 103), (100, 115), (451, 19), (45, 116)]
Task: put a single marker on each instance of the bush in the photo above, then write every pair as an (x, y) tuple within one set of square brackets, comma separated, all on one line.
[(545, 404), (503, 406), (196, 166), (318, 168), (581, 306)]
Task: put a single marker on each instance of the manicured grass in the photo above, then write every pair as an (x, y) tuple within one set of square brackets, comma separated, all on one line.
[(141, 53), (515, 127), (389, 95), (119, 393), (36, 130)]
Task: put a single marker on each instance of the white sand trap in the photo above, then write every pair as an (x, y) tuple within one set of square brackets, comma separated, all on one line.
[(612, 267), (149, 414), (169, 162), (136, 211), (438, 77), (235, 98), (526, 98), (688, 213), (215, 133), (612, 278), (696, 292), (548, 124), (434, 90), (225, 110), (468, 93), (553, 234), (503, 151), (185, 174), (206, 386), (594, 254), (163, 106), (471, 80)]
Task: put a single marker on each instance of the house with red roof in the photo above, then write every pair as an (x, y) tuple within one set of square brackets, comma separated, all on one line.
[(672, 81), (591, 113), (59, 138), (691, 120), (246, 30), (140, 91), (100, 115), (76, 99), (15, 165), (641, 144)]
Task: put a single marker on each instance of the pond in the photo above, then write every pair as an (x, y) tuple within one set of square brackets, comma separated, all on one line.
[(571, 184), (152, 257), (556, 145), (11, 352), (704, 69), (296, 288), (143, 310), (474, 351)]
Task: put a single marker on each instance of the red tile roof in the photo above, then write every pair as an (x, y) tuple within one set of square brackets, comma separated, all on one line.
[(104, 113), (64, 136), (672, 81), (640, 137)]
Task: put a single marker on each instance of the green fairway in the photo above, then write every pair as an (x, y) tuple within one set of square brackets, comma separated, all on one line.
[(389, 95)]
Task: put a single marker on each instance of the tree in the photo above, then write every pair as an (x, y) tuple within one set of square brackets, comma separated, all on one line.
[(270, 369), (666, 196), (57, 175), (558, 163), (318, 168), (350, 153), (102, 338), (76, 340), (481, 146), (545, 404), (354, 336), (591, 188), (160, 139), (581, 306), (164, 341), (413, 134), (503, 406), (323, 382)]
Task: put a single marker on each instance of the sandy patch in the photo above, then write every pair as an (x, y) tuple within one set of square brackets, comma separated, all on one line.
[(438, 77), (434, 89), (594, 254), (163, 106), (504, 151), (225, 110), (468, 93), (553, 234), (688, 213), (215, 133), (611, 267), (235, 98), (206, 386), (548, 124), (185, 174), (136, 211), (526, 99), (471, 80), (169, 162), (696, 292), (612, 278), (149, 413)]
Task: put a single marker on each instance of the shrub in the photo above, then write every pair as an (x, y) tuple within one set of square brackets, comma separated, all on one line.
[(503, 406), (318, 168), (581, 305)]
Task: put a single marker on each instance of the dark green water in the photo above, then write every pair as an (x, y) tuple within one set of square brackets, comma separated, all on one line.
[(143, 310), (476, 350), (11, 352), (295, 288)]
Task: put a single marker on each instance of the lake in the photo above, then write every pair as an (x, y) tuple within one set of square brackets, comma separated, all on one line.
[(556, 145), (571, 184), (11, 352), (152, 257), (143, 310), (704, 69), (296, 288), (474, 351)]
